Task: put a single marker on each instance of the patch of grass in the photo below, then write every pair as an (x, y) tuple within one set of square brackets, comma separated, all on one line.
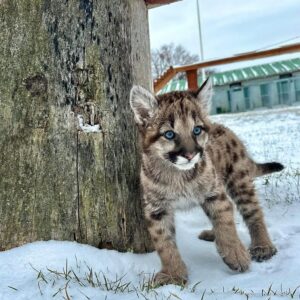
[(83, 276), (267, 293), (283, 187)]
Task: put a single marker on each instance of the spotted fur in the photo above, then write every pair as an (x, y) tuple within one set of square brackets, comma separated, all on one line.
[(191, 170)]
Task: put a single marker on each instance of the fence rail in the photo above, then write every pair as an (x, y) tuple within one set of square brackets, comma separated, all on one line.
[(191, 70)]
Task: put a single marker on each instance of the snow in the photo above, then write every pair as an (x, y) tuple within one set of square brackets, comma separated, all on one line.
[(277, 70), (87, 128), (46, 270), (244, 74), (264, 70), (235, 77)]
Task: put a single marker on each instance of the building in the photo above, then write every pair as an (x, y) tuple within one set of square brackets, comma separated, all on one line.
[(266, 85)]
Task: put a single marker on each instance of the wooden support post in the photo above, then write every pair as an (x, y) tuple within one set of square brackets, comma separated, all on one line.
[(58, 181), (192, 79)]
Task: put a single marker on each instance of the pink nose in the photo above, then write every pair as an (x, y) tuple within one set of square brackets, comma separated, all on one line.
[(189, 155)]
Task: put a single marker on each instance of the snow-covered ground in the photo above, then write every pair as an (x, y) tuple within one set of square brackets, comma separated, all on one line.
[(67, 270)]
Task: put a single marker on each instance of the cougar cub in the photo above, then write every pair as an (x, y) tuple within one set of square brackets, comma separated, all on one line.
[(187, 161)]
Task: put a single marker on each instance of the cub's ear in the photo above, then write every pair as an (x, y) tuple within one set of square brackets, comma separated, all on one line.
[(204, 95), (143, 104)]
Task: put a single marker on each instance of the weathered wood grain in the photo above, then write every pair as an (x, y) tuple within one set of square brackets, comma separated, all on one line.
[(59, 59)]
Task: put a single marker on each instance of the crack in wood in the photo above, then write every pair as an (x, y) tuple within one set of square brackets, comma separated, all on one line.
[(79, 237), (84, 103)]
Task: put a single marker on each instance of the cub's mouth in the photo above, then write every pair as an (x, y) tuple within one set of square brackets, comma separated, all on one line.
[(184, 160)]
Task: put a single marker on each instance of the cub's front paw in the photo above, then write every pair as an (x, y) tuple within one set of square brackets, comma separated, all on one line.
[(237, 258), (162, 278), (261, 253)]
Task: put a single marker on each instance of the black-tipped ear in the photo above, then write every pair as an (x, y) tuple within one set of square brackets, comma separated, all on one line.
[(204, 95), (143, 104)]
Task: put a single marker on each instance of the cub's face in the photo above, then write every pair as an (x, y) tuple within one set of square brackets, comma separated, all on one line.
[(173, 126), (177, 133)]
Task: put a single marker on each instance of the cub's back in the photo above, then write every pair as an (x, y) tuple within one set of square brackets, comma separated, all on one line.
[(228, 153)]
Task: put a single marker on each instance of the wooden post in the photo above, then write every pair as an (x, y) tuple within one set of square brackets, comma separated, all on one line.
[(192, 79), (60, 60)]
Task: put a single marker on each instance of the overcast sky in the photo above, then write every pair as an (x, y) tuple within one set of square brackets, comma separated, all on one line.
[(228, 26)]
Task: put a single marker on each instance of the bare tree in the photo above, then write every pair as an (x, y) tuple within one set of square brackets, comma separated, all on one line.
[(170, 55)]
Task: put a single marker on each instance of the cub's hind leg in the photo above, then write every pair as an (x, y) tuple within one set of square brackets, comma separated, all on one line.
[(162, 231), (241, 189), (208, 234)]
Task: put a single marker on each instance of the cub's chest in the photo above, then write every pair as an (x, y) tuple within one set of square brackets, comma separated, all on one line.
[(187, 200)]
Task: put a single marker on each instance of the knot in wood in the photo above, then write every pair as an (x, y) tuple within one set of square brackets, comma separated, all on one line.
[(37, 85)]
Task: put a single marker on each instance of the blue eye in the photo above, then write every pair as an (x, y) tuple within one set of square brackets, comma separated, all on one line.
[(169, 135), (197, 130)]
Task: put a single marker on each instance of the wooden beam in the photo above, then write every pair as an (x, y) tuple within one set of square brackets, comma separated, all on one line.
[(166, 77), (160, 82), (192, 79), (156, 3), (241, 57)]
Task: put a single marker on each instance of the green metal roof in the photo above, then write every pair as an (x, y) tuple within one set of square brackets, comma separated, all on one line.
[(244, 74)]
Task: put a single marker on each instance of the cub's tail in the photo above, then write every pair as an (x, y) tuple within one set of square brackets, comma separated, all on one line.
[(267, 168)]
